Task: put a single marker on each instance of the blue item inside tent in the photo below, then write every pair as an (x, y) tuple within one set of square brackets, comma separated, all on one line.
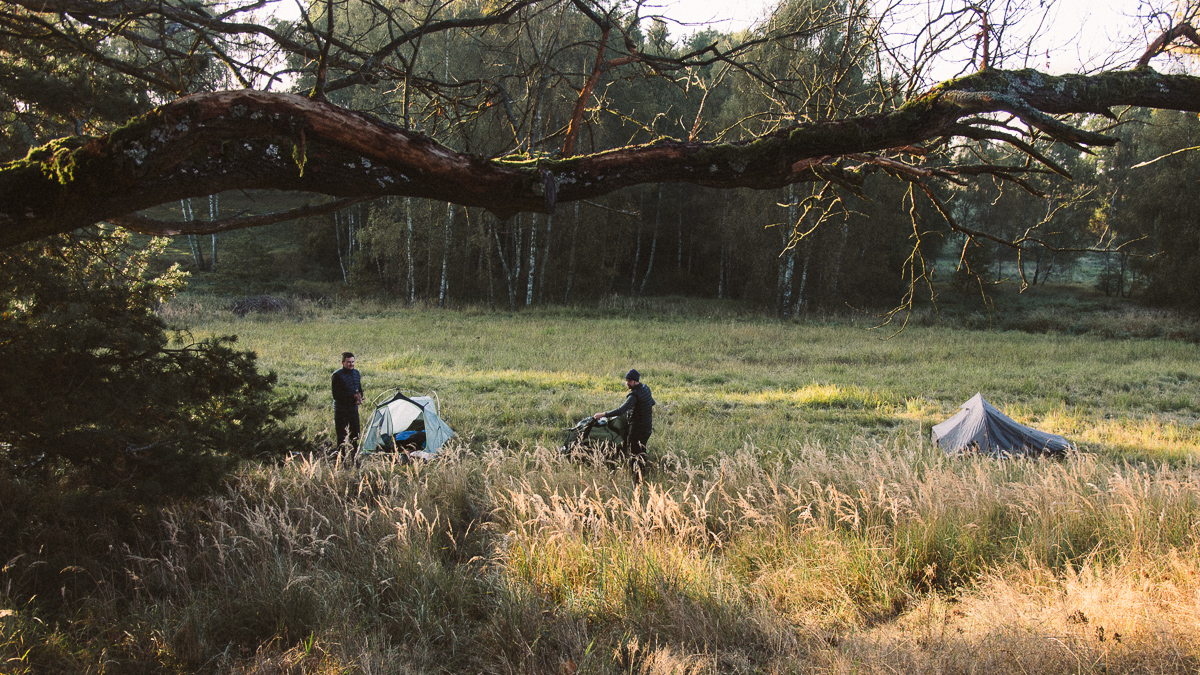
[(414, 439)]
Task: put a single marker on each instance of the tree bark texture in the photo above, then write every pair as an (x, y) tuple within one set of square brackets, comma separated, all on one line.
[(208, 143)]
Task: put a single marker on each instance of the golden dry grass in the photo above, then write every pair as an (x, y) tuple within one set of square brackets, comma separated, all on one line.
[(797, 520), (887, 558)]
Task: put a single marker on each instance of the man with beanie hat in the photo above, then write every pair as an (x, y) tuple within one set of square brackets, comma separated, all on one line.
[(639, 404)]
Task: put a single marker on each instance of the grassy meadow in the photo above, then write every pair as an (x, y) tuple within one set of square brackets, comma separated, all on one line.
[(797, 519), (723, 378)]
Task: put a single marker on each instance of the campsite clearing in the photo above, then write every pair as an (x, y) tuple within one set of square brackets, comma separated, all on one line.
[(724, 380), (798, 519)]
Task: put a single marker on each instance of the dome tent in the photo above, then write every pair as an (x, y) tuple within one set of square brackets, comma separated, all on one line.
[(407, 423), (980, 426)]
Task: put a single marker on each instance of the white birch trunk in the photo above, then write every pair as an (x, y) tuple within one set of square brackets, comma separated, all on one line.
[(350, 238), (545, 259), (532, 263), (412, 282), (519, 250), (185, 205), (653, 242), (429, 252), (214, 208), (508, 275), (444, 287), (789, 262), (337, 233), (800, 302), (491, 272)]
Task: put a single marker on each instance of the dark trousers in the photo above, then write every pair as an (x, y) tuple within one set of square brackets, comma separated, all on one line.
[(345, 420), (637, 452)]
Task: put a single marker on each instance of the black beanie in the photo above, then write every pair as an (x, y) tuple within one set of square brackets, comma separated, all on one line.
[(633, 375)]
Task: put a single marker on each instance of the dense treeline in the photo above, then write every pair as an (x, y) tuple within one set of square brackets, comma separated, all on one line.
[(653, 239), (796, 248), (552, 80), (745, 244)]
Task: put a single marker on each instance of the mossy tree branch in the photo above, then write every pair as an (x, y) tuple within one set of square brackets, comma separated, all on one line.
[(208, 143)]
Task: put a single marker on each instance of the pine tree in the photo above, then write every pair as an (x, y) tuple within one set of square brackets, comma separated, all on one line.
[(99, 399)]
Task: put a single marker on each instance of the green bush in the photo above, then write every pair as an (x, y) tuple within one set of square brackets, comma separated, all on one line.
[(98, 398)]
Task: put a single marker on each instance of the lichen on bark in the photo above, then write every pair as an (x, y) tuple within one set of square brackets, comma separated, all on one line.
[(211, 142)]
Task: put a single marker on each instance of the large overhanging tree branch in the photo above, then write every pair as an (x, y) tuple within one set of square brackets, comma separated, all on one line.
[(207, 143)]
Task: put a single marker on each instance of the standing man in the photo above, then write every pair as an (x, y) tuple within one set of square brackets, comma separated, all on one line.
[(347, 396), (639, 404)]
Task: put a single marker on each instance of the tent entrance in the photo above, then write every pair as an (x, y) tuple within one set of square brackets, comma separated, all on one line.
[(406, 424)]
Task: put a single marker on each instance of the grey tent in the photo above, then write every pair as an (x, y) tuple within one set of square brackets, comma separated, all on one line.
[(410, 424), (979, 426)]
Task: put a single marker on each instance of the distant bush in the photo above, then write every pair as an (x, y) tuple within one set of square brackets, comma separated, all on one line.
[(1131, 322), (260, 304)]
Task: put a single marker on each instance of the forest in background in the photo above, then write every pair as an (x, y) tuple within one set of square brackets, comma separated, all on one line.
[(169, 498), (515, 89), (1126, 212)]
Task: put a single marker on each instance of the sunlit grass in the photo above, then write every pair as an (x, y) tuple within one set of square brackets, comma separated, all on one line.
[(813, 396), (522, 379), (797, 518)]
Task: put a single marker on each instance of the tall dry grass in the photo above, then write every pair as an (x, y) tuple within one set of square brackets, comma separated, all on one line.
[(883, 557), (796, 521)]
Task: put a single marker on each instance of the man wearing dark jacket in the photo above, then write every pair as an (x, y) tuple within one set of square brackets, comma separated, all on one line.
[(639, 405), (347, 396)]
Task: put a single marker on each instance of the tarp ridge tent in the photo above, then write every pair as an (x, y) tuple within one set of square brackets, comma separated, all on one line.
[(980, 426), (402, 420)]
